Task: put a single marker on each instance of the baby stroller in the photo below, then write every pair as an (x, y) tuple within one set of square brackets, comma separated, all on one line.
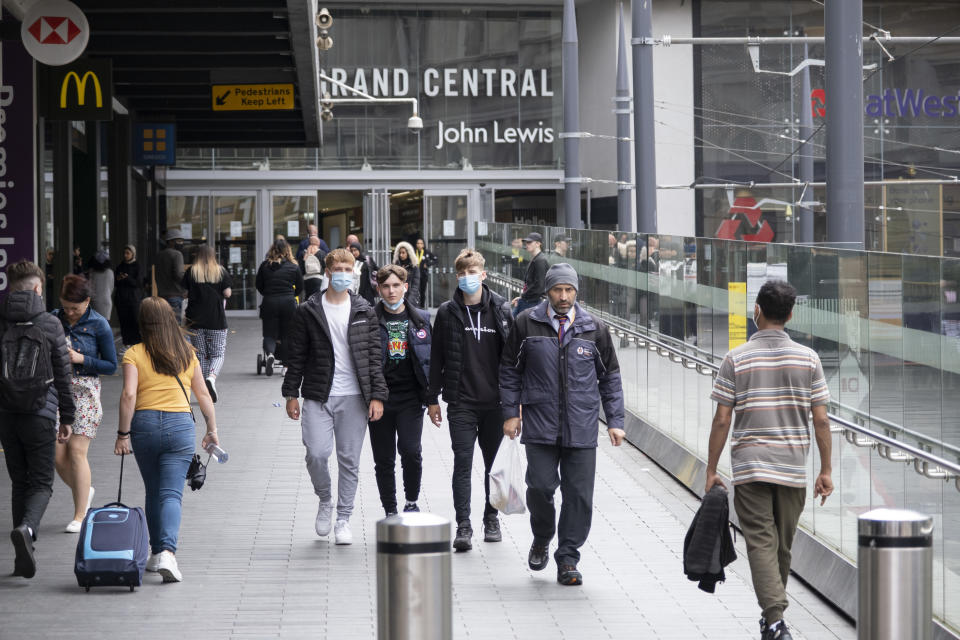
[(267, 365)]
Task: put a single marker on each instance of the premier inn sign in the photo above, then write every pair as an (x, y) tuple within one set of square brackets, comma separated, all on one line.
[(79, 91)]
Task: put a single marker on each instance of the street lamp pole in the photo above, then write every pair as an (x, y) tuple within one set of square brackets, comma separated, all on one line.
[(571, 117)]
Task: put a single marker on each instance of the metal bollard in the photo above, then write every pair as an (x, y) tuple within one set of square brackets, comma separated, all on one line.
[(895, 562), (414, 588)]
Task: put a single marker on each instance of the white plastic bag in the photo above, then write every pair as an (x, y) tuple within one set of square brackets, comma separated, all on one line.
[(507, 484)]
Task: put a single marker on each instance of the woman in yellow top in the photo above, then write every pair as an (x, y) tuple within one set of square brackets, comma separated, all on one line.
[(155, 419)]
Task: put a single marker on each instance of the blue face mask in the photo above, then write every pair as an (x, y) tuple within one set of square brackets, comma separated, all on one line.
[(469, 284), (393, 307), (341, 281)]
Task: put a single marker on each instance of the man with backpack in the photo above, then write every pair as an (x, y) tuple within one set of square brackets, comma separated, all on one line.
[(34, 384)]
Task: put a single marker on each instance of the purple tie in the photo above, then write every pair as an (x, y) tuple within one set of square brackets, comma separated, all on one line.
[(562, 319)]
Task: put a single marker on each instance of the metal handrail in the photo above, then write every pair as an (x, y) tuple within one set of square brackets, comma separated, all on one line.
[(924, 463)]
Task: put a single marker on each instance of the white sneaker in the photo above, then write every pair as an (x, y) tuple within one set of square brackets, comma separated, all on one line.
[(342, 533), (73, 527), (324, 512), (153, 562), (167, 567)]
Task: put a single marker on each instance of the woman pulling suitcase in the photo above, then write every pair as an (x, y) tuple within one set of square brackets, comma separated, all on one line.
[(156, 422)]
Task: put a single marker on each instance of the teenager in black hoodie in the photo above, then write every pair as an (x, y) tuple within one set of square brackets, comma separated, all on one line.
[(468, 336), (29, 438)]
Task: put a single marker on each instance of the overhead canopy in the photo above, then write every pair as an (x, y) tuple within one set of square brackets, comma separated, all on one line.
[(168, 54)]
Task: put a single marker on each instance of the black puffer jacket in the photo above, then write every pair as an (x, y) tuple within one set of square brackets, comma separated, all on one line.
[(310, 363), (281, 279), (20, 306), (449, 332)]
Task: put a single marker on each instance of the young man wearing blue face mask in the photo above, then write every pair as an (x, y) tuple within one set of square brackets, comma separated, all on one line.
[(468, 336), (405, 345), (333, 361)]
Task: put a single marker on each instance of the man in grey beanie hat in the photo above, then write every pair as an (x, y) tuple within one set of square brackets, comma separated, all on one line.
[(561, 273), (558, 350)]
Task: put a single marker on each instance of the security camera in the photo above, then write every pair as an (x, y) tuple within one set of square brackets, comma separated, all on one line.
[(324, 19), (326, 115), (415, 124), (325, 101), (324, 41)]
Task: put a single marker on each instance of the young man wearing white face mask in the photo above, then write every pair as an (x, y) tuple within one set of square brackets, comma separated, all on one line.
[(334, 362), (468, 336), (405, 345)]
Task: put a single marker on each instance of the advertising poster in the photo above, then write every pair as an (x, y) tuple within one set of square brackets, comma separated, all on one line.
[(737, 320), (17, 160)]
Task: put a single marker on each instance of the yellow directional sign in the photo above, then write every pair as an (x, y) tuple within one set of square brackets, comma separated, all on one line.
[(251, 97)]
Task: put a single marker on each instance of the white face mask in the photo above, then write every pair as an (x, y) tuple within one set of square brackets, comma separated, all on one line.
[(756, 317)]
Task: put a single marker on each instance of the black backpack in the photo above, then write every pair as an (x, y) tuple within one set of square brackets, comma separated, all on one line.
[(26, 372)]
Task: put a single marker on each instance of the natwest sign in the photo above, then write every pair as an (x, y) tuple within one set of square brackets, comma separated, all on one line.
[(897, 103)]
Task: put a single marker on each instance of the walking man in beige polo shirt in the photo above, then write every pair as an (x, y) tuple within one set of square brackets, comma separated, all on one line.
[(773, 384)]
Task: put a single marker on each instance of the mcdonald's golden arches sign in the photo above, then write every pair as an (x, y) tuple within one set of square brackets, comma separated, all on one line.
[(79, 91)]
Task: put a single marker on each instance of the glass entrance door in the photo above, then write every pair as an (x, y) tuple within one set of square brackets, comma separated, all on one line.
[(445, 232), (292, 214), (235, 225)]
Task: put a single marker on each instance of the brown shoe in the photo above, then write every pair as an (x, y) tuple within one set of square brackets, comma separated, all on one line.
[(568, 575)]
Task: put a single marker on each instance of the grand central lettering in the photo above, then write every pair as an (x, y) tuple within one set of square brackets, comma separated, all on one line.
[(448, 82)]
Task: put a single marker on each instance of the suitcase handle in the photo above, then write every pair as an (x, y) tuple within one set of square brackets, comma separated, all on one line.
[(120, 485), (115, 504)]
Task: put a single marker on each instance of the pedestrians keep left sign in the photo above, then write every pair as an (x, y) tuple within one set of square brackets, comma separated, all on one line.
[(79, 91), (252, 97)]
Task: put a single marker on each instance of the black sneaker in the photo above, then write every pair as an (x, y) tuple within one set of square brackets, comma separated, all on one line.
[(539, 556), (411, 506), (464, 533), (268, 367), (24, 563), (568, 575), (491, 530), (780, 633)]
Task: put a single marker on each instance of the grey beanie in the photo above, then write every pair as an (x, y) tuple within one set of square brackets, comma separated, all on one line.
[(561, 273)]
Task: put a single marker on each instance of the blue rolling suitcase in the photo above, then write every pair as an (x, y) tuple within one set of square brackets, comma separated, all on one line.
[(113, 545)]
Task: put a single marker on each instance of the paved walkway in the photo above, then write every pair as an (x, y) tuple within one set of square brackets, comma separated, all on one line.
[(254, 568)]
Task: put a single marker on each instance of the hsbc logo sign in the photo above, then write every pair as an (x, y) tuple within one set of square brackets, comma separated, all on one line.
[(55, 32)]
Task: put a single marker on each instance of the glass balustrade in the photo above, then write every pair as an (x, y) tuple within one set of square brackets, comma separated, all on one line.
[(886, 327)]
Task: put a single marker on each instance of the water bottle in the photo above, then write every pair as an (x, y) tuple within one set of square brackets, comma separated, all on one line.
[(218, 454)]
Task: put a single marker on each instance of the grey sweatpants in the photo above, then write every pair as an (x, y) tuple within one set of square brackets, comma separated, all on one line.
[(342, 420)]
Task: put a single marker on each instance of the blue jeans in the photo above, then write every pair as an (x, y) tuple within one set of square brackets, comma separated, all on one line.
[(163, 444), (176, 302)]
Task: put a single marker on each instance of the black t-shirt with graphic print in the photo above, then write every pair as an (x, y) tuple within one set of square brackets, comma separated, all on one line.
[(482, 345), (398, 369)]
